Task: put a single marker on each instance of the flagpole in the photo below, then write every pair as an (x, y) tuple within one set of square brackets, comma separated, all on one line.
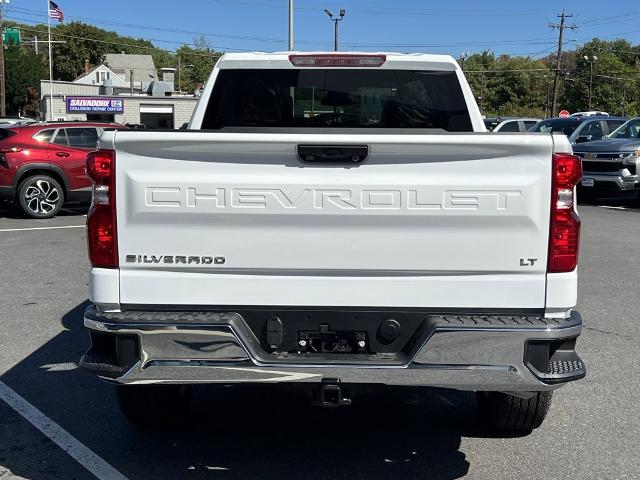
[(50, 65)]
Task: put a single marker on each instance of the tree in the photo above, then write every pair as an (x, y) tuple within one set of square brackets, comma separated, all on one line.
[(24, 70), (614, 83), (508, 85), (196, 63), (84, 42)]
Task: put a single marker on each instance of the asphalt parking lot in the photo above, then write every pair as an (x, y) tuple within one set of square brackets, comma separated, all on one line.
[(592, 430)]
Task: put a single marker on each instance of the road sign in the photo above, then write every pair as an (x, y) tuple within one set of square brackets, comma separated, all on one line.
[(11, 36), (563, 113)]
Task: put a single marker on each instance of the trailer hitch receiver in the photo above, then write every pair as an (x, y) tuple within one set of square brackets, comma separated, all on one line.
[(331, 394)]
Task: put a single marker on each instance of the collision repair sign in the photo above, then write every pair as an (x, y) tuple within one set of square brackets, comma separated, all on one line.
[(94, 105)]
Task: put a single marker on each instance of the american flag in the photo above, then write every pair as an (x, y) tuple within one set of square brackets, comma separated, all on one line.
[(55, 11)]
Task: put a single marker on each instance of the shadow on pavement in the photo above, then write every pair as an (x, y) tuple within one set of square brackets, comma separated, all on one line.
[(629, 203), (10, 211), (246, 431)]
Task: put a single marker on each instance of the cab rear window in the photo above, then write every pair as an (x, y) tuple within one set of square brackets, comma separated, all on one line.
[(337, 98)]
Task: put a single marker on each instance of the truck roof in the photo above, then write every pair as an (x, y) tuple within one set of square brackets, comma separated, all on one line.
[(394, 60)]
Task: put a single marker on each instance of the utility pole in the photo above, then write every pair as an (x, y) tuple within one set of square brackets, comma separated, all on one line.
[(556, 79), (592, 60), (484, 88), (547, 105), (335, 21), (3, 105), (180, 67), (290, 25)]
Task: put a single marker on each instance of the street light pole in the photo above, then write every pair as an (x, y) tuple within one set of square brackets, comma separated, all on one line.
[(335, 20), (180, 67), (290, 25), (592, 60)]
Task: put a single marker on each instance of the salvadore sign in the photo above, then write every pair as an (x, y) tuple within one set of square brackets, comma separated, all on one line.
[(94, 105)]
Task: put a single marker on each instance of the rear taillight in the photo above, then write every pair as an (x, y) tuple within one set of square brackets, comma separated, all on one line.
[(101, 219), (337, 60), (564, 229)]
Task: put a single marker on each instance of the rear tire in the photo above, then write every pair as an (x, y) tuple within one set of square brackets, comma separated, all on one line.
[(155, 406), (502, 411), (40, 196)]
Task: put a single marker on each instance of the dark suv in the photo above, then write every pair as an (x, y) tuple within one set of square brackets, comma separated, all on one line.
[(580, 129), (42, 166)]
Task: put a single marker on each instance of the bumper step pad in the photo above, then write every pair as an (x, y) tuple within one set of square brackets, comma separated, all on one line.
[(559, 367)]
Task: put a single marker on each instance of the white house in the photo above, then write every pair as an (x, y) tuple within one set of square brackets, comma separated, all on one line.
[(98, 74)]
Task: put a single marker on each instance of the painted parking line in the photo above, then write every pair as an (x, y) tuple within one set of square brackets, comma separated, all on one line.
[(608, 207), (58, 435), (40, 228)]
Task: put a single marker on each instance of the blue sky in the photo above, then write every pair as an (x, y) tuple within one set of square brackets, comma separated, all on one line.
[(453, 27)]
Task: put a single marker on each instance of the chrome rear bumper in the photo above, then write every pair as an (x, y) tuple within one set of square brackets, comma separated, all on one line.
[(460, 352)]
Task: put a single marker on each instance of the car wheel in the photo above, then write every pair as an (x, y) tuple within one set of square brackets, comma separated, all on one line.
[(155, 406), (502, 411), (40, 196)]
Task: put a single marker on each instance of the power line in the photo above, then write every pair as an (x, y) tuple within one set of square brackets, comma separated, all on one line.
[(31, 23), (368, 9), (530, 41), (35, 13), (122, 44), (606, 20), (507, 70)]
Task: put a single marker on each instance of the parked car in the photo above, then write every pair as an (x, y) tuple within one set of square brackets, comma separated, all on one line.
[(515, 124), (613, 164), (334, 251), (7, 121), (490, 123), (592, 113), (42, 166), (135, 126), (580, 129), (509, 124)]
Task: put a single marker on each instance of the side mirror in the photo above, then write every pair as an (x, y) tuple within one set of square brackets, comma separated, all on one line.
[(583, 138)]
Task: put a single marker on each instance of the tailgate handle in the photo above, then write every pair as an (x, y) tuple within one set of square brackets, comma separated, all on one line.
[(333, 153)]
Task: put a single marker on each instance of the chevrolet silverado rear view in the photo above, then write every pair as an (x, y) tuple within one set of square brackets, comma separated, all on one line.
[(332, 221)]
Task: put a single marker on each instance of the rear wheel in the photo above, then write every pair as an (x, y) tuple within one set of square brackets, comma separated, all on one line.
[(40, 196), (508, 412), (155, 406)]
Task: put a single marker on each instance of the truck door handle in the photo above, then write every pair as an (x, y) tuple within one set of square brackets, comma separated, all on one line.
[(333, 153), (63, 154)]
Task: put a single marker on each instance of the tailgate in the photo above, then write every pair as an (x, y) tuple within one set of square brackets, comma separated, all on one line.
[(431, 221)]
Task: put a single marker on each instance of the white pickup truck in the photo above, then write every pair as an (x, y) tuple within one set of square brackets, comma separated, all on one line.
[(330, 221)]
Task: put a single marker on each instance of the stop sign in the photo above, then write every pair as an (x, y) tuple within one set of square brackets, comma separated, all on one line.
[(563, 113)]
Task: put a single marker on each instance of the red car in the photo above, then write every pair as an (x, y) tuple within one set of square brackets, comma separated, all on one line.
[(42, 166)]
